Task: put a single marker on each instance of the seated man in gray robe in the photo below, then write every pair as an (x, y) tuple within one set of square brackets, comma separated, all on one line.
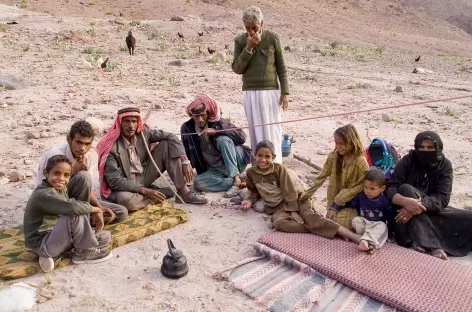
[(126, 170)]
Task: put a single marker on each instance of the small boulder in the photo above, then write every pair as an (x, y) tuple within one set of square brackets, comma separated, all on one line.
[(4, 105), (177, 19), (97, 125), (288, 49), (179, 63), (157, 106), (399, 89), (32, 135), (16, 176), (387, 118), (11, 82), (418, 70)]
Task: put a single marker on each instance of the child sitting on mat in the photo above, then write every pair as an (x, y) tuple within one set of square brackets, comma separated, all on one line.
[(345, 167), (374, 210), (72, 229), (272, 182)]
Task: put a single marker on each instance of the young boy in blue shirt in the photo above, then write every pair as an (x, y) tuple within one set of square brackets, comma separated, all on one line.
[(374, 210)]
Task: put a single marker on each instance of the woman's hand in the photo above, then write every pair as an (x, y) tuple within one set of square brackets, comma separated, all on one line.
[(403, 216), (413, 205), (284, 101), (245, 205), (295, 216)]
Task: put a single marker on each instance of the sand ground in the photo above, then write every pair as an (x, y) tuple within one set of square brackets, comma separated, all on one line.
[(344, 56)]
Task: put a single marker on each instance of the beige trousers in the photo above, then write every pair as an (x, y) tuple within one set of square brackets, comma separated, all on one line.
[(374, 232)]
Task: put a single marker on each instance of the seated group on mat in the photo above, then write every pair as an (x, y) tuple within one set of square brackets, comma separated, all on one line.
[(361, 202)]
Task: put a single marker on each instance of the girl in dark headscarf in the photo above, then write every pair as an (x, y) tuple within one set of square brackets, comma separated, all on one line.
[(420, 188)]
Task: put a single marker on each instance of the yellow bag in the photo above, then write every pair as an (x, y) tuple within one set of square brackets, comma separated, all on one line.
[(345, 216)]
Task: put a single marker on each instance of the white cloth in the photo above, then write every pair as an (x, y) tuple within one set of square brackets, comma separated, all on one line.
[(262, 107), (60, 149)]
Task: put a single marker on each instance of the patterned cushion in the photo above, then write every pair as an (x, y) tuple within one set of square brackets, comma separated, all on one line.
[(399, 277), (17, 261)]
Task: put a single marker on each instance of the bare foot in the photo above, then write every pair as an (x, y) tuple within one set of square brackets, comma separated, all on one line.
[(439, 253), (418, 248), (365, 246), (346, 234)]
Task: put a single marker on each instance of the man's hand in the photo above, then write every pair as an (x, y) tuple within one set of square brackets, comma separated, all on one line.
[(245, 205), (295, 216), (155, 196), (331, 214), (253, 41), (109, 212), (284, 101), (208, 132), (97, 220), (79, 165), (187, 170), (403, 216), (413, 205)]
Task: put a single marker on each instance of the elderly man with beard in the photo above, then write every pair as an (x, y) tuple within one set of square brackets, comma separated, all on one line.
[(215, 147), (126, 170)]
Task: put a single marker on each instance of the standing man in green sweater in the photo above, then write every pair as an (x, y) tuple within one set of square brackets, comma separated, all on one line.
[(258, 58)]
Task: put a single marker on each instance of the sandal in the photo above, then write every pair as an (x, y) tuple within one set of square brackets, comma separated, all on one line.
[(236, 201), (192, 198), (232, 192)]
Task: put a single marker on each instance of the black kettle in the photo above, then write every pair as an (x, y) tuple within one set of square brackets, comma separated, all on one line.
[(174, 263)]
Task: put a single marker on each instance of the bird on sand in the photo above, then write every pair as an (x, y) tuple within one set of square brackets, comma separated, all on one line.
[(104, 64), (130, 43), (211, 51), (180, 35), (417, 59)]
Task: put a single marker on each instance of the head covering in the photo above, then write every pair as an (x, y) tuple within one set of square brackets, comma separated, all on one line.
[(129, 110), (430, 161), (106, 142), (206, 103)]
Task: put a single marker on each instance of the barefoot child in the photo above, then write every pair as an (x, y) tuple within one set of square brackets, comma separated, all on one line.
[(373, 208), (271, 182), (345, 167), (72, 230)]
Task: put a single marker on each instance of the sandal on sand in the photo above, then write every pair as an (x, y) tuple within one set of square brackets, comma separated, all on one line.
[(192, 198), (232, 192)]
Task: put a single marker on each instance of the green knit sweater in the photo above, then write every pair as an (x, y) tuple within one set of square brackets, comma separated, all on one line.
[(46, 201), (261, 68)]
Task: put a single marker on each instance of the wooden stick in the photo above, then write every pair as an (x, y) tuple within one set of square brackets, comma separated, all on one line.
[(307, 162)]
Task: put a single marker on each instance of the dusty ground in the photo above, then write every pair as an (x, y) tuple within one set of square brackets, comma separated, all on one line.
[(345, 56)]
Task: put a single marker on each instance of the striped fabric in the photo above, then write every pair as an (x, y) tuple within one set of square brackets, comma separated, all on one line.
[(284, 284)]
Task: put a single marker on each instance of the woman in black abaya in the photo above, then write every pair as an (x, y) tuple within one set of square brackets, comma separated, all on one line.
[(420, 188)]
